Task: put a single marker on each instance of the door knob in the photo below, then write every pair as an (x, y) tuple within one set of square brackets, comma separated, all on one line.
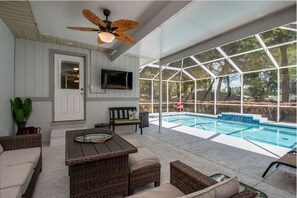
[(81, 88)]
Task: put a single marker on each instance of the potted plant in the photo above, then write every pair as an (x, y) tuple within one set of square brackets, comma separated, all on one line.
[(21, 111)]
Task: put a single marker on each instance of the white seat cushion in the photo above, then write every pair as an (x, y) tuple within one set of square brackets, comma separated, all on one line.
[(16, 175), (163, 191), (142, 158), (225, 189), (134, 143), (12, 192), (20, 156)]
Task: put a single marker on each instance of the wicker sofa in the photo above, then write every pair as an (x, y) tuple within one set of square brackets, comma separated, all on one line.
[(186, 182), (20, 163)]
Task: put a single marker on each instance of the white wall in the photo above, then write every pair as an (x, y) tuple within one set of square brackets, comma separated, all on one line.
[(32, 64), (97, 112), (7, 42)]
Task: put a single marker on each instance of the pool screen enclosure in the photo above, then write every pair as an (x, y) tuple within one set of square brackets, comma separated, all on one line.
[(254, 75)]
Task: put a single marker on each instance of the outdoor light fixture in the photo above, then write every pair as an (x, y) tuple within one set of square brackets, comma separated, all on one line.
[(106, 37)]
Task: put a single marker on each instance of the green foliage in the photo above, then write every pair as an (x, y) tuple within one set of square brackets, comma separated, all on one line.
[(149, 72), (208, 55), (176, 64), (241, 46), (21, 111), (277, 36), (188, 92), (188, 62), (261, 85)]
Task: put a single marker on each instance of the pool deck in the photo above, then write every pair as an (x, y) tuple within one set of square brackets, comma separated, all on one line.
[(253, 146), (212, 154)]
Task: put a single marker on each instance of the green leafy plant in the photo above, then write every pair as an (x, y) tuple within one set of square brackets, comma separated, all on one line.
[(21, 111)]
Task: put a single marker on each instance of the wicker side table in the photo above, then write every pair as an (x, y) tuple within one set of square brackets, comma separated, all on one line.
[(145, 118)]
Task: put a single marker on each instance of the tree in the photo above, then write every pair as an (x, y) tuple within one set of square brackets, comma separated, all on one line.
[(145, 90), (277, 36), (220, 83), (188, 88)]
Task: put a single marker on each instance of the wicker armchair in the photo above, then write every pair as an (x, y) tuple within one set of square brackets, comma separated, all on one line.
[(185, 180), (22, 142), (189, 180)]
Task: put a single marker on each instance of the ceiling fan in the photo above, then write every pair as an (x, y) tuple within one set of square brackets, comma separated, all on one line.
[(107, 30)]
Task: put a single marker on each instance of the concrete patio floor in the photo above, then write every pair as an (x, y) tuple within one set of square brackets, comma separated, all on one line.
[(206, 156)]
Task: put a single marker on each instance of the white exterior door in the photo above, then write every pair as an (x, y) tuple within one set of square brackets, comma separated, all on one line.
[(69, 88)]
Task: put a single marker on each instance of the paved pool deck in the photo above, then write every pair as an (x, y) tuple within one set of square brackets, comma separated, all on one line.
[(212, 157)]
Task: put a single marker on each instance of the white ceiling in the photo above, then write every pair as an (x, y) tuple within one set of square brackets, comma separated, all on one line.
[(52, 17), (190, 24)]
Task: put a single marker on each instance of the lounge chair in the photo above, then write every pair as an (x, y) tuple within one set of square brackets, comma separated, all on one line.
[(288, 159)]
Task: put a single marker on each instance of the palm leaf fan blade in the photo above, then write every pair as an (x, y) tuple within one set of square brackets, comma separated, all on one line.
[(124, 25), (87, 29), (93, 18), (126, 38)]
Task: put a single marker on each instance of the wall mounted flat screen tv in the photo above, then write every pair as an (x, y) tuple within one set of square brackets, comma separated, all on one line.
[(112, 79)]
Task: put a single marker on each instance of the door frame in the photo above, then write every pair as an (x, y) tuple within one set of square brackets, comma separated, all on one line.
[(52, 52)]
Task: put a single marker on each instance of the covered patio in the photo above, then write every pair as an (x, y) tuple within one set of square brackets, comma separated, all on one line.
[(202, 154)]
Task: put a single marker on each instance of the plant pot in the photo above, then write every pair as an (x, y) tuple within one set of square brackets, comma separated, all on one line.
[(21, 125)]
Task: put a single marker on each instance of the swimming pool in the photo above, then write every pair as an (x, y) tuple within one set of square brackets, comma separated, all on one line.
[(280, 136)]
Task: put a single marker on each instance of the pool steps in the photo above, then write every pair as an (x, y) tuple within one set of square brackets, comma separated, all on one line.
[(245, 118)]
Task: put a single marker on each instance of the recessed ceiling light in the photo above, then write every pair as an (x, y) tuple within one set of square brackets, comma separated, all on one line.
[(69, 43)]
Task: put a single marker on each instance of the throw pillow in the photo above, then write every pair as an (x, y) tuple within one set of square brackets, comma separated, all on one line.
[(133, 115), (224, 189), (227, 188), (1, 149)]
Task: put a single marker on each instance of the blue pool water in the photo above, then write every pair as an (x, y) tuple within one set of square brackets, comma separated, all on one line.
[(280, 136)]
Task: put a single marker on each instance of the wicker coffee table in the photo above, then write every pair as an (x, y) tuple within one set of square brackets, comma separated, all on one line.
[(98, 170)]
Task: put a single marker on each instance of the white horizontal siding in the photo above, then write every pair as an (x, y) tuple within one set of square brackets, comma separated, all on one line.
[(33, 70)]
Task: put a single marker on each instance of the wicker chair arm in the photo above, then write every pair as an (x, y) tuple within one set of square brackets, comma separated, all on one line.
[(20, 141), (187, 179)]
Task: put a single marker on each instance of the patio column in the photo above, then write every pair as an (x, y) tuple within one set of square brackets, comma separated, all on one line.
[(152, 101), (180, 84), (278, 96), (160, 98), (215, 97), (241, 93), (167, 98), (195, 95)]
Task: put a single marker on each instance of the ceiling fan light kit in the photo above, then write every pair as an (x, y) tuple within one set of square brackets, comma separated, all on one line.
[(106, 37), (107, 30)]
